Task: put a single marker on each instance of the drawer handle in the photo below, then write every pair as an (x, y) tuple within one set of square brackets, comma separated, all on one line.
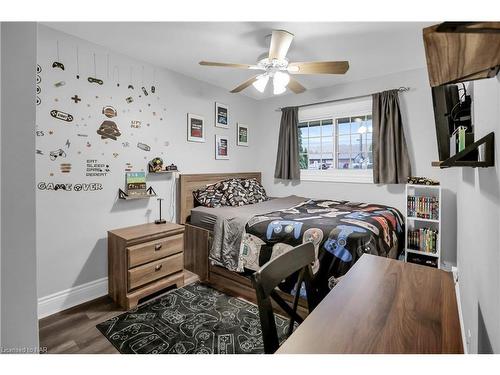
[(158, 267), (157, 246)]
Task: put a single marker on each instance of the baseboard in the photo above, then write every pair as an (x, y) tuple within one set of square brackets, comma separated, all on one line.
[(65, 299)]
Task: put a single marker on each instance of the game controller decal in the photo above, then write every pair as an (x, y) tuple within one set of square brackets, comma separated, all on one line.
[(337, 241), (61, 115), (109, 130), (57, 154), (57, 64), (143, 146), (129, 99)]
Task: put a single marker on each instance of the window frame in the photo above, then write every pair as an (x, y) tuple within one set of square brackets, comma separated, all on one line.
[(335, 111)]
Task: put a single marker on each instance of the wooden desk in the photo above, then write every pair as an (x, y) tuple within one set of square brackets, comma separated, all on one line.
[(383, 306)]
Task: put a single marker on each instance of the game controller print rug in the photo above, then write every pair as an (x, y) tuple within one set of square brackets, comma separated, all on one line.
[(195, 319)]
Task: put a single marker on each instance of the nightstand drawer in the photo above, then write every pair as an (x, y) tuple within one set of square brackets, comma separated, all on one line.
[(154, 250), (155, 270)]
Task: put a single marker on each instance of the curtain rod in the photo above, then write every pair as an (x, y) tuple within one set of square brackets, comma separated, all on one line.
[(400, 89)]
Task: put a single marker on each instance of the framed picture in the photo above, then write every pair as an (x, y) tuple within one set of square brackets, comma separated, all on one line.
[(221, 147), (195, 128), (221, 115), (242, 135)]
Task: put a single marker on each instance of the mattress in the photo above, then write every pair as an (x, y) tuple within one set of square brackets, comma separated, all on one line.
[(206, 217)]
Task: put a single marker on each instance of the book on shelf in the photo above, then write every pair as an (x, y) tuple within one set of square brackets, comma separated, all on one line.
[(423, 239), (423, 207)]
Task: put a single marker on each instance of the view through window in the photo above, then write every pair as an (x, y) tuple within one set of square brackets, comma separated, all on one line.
[(336, 143)]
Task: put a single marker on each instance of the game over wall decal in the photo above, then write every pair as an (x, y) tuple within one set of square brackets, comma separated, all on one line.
[(69, 187)]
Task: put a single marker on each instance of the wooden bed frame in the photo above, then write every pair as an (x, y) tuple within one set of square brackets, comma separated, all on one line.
[(198, 241)]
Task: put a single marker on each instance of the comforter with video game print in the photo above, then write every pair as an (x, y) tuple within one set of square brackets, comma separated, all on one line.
[(341, 232)]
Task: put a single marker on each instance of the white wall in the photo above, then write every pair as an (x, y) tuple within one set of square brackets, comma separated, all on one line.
[(479, 228), (18, 224), (71, 240), (416, 106)]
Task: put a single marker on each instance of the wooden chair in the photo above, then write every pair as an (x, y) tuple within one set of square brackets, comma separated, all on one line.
[(269, 276)]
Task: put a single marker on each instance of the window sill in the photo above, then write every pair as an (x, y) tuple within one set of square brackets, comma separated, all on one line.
[(353, 176)]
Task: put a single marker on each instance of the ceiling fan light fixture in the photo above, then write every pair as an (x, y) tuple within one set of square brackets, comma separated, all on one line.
[(261, 82), (280, 81)]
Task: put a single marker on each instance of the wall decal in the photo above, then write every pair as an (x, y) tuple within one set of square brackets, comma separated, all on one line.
[(153, 89), (128, 167), (95, 80), (144, 91), (59, 65), (38, 89), (115, 155), (39, 133), (59, 84), (130, 87), (143, 146), (125, 144), (38, 79), (69, 187), (61, 115), (109, 129), (221, 115), (94, 168), (129, 99), (38, 68), (51, 132), (38, 101), (68, 143), (109, 111), (135, 124), (56, 154), (39, 152), (221, 147), (77, 64), (82, 135), (195, 128), (65, 167), (88, 144), (76, 99)]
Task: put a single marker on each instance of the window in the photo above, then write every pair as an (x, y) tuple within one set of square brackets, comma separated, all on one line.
[(335, 142)]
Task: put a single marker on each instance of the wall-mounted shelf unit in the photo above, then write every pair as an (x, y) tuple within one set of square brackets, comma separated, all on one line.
[(484, 148), (149, 193), (458, 52), (423, 225)]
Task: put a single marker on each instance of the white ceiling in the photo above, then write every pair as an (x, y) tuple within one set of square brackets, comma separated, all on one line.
[(372, 48)]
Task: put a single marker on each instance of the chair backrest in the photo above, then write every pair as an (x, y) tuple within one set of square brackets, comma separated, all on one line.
[(269, 276)]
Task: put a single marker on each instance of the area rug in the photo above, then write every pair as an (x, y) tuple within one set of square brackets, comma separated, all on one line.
[(195, 319)]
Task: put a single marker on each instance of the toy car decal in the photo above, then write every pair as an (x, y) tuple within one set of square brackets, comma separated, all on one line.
[(61, 115), (143, 146)]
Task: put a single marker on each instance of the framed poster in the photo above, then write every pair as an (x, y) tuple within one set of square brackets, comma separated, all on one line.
[(221, 115), (195, 128), (221, 147), (242, 135)]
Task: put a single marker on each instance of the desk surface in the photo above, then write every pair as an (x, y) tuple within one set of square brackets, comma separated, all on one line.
[(383, 306)]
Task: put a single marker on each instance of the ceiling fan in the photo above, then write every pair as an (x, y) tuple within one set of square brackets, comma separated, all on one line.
[(277, 67)]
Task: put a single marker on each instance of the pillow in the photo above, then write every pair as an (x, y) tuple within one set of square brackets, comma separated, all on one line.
[(234, 192), (255, 191), (210, 196)]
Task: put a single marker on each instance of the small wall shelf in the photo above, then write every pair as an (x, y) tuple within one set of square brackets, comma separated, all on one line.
[(149, 193), (484, 146)]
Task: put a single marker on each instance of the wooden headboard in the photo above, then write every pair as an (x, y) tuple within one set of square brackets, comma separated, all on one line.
[(191, 182)]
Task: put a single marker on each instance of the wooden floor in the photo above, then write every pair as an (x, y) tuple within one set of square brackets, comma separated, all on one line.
[(74, 331)]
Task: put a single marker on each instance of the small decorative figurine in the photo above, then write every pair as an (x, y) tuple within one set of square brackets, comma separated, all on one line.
[(156, 165)]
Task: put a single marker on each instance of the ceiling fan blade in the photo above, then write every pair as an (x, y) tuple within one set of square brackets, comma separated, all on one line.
[(280, 43), (295, 86), (228, 65), (244, 85), (319, 67)]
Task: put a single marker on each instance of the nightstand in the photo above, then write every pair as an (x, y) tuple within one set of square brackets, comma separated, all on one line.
[(143, 260)]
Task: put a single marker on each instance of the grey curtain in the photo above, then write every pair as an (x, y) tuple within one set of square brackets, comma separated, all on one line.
[(287, 158), (391, 164)]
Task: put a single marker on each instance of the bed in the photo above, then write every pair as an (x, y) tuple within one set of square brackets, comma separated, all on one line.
[(224, 245)]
